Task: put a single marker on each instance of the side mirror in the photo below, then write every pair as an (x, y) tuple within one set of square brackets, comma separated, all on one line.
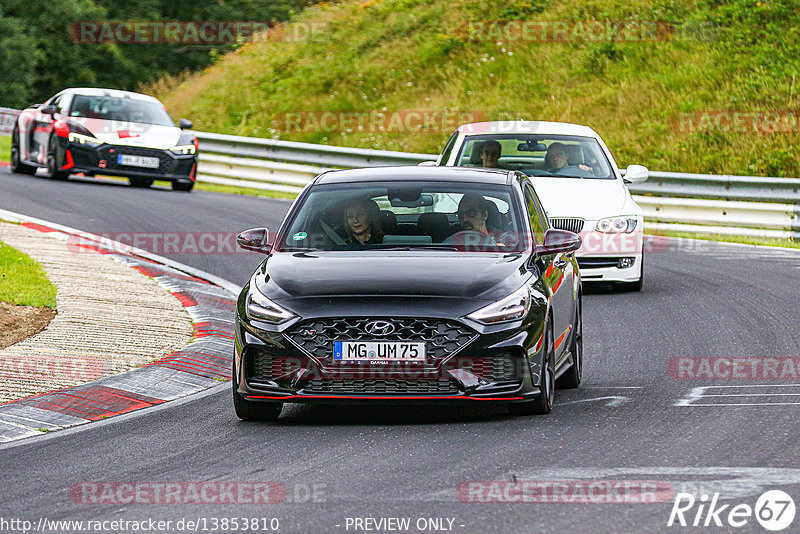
[(48, 110), (636, 174), (185, 124), (426, 164), (557, 240), (255, 239)]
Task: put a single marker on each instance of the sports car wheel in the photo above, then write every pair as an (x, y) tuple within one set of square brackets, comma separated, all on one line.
[(16, 158), (52, 162)]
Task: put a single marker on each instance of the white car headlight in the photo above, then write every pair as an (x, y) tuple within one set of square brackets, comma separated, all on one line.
[(511, 308), (617, 225), (183, 149), (73, 137), (261, 308)]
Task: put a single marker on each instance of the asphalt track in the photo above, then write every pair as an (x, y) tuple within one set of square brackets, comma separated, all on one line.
[(629, 421)]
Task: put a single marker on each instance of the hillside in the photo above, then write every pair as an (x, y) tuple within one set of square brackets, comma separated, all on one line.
[(663, 94)]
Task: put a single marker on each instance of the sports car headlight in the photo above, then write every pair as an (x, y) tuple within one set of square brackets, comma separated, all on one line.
[(183, 149), (512, 308), (616, 225), (93, 142), (261, 308)]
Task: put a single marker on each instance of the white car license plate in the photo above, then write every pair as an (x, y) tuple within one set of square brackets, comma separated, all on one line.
[(137, 161), (385, 351)]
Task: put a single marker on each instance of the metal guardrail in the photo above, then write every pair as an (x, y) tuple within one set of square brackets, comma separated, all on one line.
[(7, 117), (696, 203)]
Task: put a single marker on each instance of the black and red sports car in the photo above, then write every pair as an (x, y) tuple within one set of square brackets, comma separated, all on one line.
[(103, 131)]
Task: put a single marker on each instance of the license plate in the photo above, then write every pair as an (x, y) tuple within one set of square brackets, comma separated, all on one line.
[(137, 161), (381, 351)]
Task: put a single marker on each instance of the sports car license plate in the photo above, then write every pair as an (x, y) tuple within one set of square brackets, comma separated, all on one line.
[(137, 161), (385, 351)]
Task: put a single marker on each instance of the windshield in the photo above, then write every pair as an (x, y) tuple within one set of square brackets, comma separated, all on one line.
[(120, 109), (537, 155), (426, 216)]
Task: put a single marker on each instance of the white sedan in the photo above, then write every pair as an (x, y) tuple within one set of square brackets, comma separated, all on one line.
[(578, 183)]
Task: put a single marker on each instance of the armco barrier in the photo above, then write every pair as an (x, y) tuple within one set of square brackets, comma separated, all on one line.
[(697, 203)]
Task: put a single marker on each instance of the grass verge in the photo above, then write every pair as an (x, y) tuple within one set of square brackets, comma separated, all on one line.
[(23, 282), (5, 148)]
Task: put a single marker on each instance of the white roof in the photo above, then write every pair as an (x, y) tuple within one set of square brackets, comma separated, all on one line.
[(96, 91), (527, 127)]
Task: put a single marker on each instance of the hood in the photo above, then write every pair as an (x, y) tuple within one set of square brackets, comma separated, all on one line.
[(484, 276), (581, 197), (133, 133)]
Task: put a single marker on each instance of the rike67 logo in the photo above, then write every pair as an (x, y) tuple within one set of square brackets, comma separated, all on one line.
[(774, 510)]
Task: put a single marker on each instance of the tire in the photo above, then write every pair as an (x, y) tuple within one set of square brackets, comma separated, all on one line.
[(543, 402), (632, 286), (52, 162), (254, 411), (180, 186), (141, 182), (16, 162), (573, 376)]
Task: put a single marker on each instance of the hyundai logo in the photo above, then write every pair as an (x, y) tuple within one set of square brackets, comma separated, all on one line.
[(379, 328)]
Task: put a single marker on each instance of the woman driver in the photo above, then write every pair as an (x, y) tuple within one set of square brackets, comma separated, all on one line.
[(362, 222)]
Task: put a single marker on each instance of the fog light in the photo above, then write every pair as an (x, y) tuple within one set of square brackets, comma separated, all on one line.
[(624, 263)]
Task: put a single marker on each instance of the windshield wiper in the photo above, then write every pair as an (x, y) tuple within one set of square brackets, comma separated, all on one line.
[(419, 247)]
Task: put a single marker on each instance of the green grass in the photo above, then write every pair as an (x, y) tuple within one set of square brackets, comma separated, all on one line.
[(737, 55), (747, 240), (23, 281), (217, 188), (5, 148)]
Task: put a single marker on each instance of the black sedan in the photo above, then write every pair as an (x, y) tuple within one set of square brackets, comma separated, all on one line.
[(410, 285), (103, 131)]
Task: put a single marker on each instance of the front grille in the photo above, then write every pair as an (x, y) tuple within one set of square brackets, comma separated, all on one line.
[(597, 263), (436, 386), (571, 224), (442, 338), (165, 162), (499, 368)]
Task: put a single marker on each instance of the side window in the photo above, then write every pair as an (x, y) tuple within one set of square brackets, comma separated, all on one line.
[(448, 149), (537, 218)]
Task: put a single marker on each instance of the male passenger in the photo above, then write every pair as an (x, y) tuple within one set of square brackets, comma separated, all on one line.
[(491, 154)]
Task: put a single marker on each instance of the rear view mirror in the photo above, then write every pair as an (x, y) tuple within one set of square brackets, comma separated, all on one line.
[(557, 240), (185, 124), (255, 239), (531, 147), (48, 110)]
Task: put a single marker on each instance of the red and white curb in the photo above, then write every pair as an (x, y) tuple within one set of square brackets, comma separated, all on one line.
[(204, 363)]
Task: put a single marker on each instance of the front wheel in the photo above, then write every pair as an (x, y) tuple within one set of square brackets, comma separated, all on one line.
[(572, 377), (543, 403), (253, 411), (16, 157), (52, 162)]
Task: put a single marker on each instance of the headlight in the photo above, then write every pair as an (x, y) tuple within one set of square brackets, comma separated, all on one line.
[(512, 308), (183, 149), (261, 308), (616, 225), (73, 137)]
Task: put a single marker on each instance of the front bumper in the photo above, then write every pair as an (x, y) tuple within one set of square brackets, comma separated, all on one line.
[(76, 158), (487, 367)]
